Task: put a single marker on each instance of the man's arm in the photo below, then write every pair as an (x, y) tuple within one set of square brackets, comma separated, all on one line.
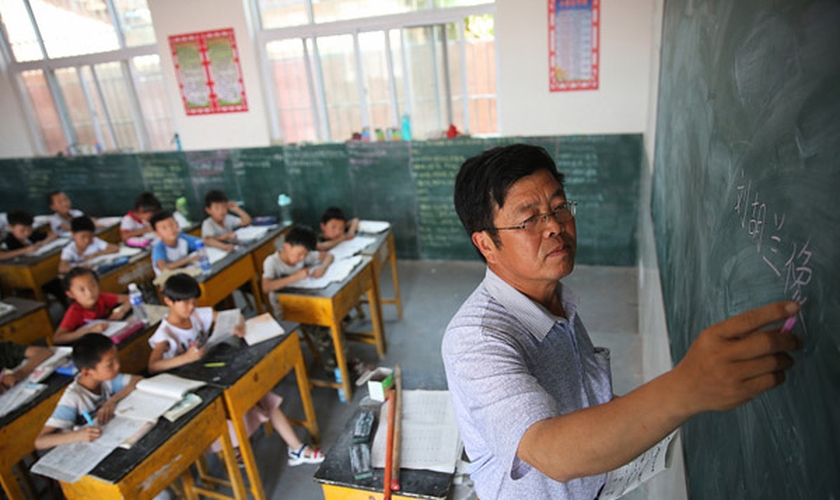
[(730, 363)]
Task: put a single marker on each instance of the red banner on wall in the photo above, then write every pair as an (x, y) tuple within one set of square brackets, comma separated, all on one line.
[(208, 71), (573, 38)]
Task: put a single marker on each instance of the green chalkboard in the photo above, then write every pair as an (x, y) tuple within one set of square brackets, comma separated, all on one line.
[(319, 176), (745, 213)]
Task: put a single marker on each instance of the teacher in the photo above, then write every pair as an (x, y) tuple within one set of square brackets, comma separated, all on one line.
[(532, 395)]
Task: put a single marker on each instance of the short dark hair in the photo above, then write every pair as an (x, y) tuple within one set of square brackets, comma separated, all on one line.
[(147, 202), (52, 195), (159, 216), (333, 213), (75, 273), (88, 350), (82, 223), (302, 235), (483, 182), (20, 217), (181, 287), (214, 196)]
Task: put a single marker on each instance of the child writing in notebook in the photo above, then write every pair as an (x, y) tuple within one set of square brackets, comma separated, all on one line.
[(174, 248), (85, 245), (335, 228), (135, 224), (22, 239), (11, 357), (94, 394), (178, 341), (82, 286), (217, 229)]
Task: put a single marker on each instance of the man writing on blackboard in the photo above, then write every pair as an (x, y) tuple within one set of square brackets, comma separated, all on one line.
[(532, 396)]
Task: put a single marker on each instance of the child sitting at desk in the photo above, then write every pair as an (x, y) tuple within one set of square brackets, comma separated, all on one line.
[(85, 245), (178, 341), (217, 230), (135, 224), (22, 239), (11, 357), (295, 260), (98, 388), (174, 248), (335, 228), (63, 213), (82, 285)]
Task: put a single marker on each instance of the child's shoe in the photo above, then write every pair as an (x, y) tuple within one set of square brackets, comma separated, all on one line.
[(299, 456)]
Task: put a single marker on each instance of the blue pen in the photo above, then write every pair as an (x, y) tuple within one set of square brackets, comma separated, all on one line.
[(87, 417)]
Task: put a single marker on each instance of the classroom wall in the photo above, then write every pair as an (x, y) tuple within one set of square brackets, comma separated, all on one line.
[(620, 105), (15, 140), (229, 130)]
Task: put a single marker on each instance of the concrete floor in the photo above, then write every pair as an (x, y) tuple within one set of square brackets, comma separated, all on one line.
[(431, 292)]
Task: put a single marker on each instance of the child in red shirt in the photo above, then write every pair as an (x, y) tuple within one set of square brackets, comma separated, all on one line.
[(82, 285)]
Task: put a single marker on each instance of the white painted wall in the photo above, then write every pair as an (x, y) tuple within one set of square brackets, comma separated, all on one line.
[(620, 105), (230, 130)]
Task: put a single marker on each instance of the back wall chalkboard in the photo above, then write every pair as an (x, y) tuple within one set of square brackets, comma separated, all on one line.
[(747, 174)]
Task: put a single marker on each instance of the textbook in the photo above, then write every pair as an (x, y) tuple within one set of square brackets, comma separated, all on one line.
[(153, 396), (20, 394), (262, 328), (119, 330), (49, 365)]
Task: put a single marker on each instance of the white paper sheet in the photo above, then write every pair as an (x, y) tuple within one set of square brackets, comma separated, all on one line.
[(49, 365), (252, 233), (373, 226), (337, 271), (430, 438), (6, 308), (18, 395), (226, 322), (261, 328), (629, 477), (56, 243), (124, 251), (215, 254), (351, 247)]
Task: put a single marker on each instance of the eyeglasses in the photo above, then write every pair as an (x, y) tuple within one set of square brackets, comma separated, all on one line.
[(564, 213)]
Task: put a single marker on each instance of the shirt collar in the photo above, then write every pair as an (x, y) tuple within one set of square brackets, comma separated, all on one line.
[(537, 319)]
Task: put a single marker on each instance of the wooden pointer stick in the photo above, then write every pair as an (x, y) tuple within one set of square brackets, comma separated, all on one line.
[(398, 402), (389, 450)]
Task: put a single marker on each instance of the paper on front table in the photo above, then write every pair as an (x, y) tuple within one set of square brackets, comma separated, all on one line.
[(58, 242), (252, 233), (124, 251), (18, 395), (215, 254), (430, 438), (632, 475), (168, 385), (337, 271), (226, 323), (261, 328), (351, 247), (49, 365), (373, 226), (70, 462)]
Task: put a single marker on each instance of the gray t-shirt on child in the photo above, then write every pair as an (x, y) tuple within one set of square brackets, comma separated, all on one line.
[(274, 267), (211, 229)]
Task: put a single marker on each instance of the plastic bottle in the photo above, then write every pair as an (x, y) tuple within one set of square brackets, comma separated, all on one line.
[(203, 260), (406, 127), (182, 208), (135, 296), (341, 396), (285, 202)]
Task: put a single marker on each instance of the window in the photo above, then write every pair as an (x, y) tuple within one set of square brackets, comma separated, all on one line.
[(41, 101), (152, 96), (290, 73)]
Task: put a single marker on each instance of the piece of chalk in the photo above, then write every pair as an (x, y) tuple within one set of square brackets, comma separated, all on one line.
[(789, 324)]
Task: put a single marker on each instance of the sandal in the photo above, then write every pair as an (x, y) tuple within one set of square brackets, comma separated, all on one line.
[(299, 457)]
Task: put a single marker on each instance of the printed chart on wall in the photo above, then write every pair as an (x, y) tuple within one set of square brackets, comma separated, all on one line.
[(209, 73), (573, 34)]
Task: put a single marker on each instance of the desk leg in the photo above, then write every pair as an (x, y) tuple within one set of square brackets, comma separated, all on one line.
[(305, 389), (341, 358), (10, 485), (229, 456), (376, 317), (258, 299), (247, 453), (394, 278)]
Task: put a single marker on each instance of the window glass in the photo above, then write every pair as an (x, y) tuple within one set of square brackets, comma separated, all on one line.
[(151, 93), (42, 104), (115, 93), (326, 11), (20, 31), (341, 95), (77, 108), (481, 74), (423, 61), (282, 13), (75, 27), (291, 90), (135, 22), (100, 116), (377, 80)]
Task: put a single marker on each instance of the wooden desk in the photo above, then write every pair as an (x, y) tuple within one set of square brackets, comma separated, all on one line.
[(137, 270), (248, 375), (328, 306), (30, 272), (111, 232), (19, 429), (163, 455), (226, 276), (384, 250), (28, 323)]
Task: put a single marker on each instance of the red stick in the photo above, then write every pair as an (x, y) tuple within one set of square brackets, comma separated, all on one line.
[(389, 451)]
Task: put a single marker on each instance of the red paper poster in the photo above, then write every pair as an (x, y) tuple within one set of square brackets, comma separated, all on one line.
[(208, 71), (573, 34)]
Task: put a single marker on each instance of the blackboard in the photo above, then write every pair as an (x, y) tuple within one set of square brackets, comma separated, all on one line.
[(745, 213), (407, 183)]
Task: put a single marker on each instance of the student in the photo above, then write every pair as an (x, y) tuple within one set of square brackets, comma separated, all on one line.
[(335, 228), (135, 224), (174, 248), (295, 260), (82, 285), (22, 239), (85, 245), (178, 341), (63, 213), (217, 230), (11, 357), (98, 388)]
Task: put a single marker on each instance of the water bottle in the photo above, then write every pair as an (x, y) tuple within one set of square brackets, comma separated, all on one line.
[(341, 396), (203, 259), (406, 127), (135, 296), (285, 202), (182, 208)]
